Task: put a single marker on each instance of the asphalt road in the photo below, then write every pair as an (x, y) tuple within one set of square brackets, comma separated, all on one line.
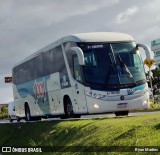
[(89, 117)]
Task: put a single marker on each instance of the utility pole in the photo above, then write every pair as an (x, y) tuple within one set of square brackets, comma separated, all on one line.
[(149, 63)]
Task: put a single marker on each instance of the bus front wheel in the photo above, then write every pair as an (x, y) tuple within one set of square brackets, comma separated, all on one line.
[(68, 108)]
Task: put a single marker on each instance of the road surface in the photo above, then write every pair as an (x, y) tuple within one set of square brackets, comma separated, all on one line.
[(89, 117)]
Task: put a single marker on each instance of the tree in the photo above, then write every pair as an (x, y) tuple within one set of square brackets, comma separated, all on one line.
[(156, 76)]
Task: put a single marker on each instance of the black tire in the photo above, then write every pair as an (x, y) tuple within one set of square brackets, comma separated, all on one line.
[(10, 119), (18, 119), (63, 117), (68, 108), (121, 113), (27, 114), (77, 116)]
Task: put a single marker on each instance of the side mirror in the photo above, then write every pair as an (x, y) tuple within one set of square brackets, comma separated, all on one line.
[(80, 55), (147, 50)]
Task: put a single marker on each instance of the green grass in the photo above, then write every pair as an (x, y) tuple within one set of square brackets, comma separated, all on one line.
[(126, 131)]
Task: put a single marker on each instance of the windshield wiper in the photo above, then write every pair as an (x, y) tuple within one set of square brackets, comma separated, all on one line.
[(112, 67), (126, 69)]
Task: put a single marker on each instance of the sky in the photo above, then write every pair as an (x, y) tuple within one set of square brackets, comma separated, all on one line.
[(28, 25)]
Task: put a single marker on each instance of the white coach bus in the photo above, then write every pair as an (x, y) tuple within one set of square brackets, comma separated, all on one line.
[(88, 73)]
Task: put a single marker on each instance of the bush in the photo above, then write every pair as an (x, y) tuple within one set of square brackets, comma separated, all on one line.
[(4, 112), (3, 116), (154, 105)]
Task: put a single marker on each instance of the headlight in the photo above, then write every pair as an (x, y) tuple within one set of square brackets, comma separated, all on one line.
[(145, 102), (96, 106)]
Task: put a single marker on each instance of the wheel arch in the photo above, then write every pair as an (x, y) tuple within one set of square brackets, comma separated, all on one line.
[(26, 105), (65, 98)]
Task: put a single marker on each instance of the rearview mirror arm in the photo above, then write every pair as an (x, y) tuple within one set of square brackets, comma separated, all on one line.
[(80, 55)]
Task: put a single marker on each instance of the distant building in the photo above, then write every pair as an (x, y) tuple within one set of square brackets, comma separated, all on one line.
[(155, 47)]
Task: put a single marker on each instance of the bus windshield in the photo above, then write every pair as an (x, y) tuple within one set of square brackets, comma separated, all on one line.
[(112, 66)]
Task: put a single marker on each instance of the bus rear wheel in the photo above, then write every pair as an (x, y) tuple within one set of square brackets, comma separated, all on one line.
[(10, 119), (27, 113), (121, 113)]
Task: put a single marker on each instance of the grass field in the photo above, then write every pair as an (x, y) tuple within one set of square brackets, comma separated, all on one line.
[(126, 131)]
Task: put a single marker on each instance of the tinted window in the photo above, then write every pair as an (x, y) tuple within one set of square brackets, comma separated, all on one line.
[(77, 69), (97, 64), (15, 75), (59, 60), (48, 62), (69, 54), (45, 64), (89, 59), (30, 69), (38, 69), (19, 74), (22, 73)]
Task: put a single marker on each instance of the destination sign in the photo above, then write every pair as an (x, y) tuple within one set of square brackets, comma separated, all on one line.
[(94, 46)]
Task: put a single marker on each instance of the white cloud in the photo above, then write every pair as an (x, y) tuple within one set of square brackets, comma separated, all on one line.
[(28, 12), (90, 6), (125, 16)]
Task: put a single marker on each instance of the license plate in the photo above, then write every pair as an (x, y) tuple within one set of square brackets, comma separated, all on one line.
[(122, 105)]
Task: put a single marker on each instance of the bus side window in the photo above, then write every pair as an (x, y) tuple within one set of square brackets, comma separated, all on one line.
[(77, 69)]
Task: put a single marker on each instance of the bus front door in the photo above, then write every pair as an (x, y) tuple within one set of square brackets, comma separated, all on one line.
[(79, 90)]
